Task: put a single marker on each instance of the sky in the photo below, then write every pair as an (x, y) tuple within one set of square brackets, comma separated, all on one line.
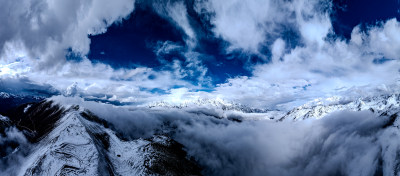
[(262, 53)]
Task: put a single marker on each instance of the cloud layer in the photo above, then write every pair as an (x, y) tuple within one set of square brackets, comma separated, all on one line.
[(342, 143), (302, 57)]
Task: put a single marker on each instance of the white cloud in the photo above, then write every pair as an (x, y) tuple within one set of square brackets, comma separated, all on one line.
[(312, 71), (315, 68), (277, 50), (190, 67), (314, 24), (249, 25), (37, 52), (99, 80), (177, 13), (386, 40), (45, 29), (350, 143), (242, 23)]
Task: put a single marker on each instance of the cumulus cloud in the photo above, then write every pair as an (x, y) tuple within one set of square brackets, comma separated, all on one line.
[(250, 25), (45, 29), (35, 55), (241, 23), (96, 81), (383, 39), (311, 71)]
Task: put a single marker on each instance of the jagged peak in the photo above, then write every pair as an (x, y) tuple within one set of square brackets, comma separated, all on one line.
[(319, 109), (216, 103)]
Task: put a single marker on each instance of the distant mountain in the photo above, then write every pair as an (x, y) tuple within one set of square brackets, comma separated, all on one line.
[(380, 105), (56, 139), (10, 100), (209, 103)]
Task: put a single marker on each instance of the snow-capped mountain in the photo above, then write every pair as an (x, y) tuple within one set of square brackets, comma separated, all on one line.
[(219, 108), (216, 103), (384, 104), (74, 141), (52, 138), (10, 100)]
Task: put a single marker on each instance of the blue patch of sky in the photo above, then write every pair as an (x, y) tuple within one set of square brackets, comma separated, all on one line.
[(131, 43), (350, 13)]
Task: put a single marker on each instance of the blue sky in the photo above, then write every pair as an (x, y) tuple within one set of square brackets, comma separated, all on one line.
[(274, 54), (130, 43)]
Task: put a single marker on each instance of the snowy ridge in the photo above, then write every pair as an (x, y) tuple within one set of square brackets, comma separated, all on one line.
[(67, 150), (83, 144), (378, 105), (5, 95), (72, 149), (220, 109), (74, 141), (216, 103)]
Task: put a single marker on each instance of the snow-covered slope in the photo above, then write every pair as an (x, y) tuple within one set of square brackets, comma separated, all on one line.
[(384, 104), (76, 142), (216, 103), (220, 109), (67, 150), (71, 140), (315, 109)]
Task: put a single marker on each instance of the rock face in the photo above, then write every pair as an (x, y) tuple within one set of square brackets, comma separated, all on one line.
[(74, 141)]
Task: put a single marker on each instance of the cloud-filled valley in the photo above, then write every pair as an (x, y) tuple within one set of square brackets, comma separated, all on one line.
[(342, 143), (254, 87)]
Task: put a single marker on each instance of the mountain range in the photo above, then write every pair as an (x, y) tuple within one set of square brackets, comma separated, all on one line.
[(47, 137)]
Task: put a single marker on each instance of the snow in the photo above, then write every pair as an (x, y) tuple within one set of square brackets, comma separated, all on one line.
[(27, 108), (126, 156), (67, 146), (220, 108), (4, 118), (70, 149), (378, 105), (4, 95)]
